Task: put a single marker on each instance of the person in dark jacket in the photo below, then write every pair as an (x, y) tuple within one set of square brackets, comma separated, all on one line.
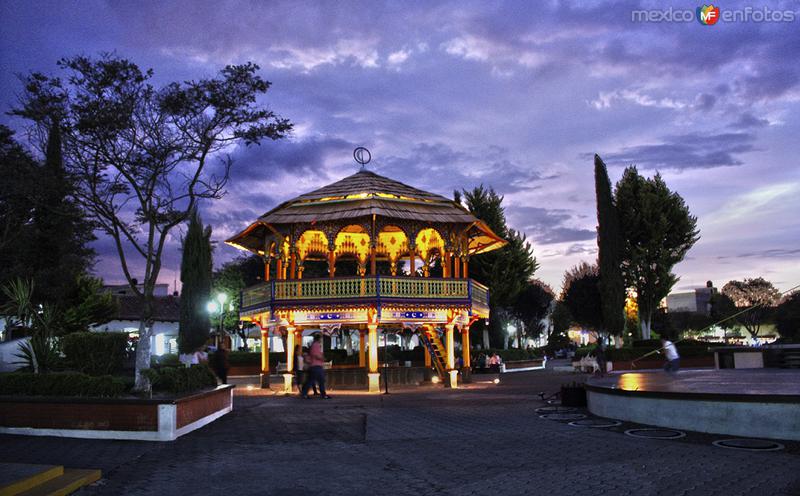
[(220, 364)]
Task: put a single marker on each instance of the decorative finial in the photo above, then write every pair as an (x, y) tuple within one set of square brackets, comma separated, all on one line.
[(362, 156)]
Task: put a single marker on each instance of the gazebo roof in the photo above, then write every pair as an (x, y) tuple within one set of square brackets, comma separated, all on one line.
[(363, 195)]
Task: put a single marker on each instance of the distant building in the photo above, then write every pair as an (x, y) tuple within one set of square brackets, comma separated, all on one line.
[(125, 289), (166, 315), (697, 301)]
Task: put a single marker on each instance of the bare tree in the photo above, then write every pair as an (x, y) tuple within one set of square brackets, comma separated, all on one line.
[(143, 157)]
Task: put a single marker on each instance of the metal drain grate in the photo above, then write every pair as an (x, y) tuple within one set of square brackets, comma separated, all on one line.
[(655, 433), (599, 423), (749, 444), (562, 416), (556, 409)]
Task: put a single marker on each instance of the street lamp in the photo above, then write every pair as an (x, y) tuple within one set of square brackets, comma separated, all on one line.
[(218, 306)]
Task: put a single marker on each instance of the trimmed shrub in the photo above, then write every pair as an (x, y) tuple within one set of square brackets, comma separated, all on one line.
[(181, 379), (95, 353), (62, 384), (165, 360)]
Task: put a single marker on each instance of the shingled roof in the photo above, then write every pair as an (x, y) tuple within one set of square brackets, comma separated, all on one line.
[(363, 195)]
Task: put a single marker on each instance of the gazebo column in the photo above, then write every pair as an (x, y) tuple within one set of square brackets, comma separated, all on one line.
[(451, 359), (290, 344), (466, 267), (293, 266), (411, 260), (267, 260), (446, 264), (466, 370), (264, 376), (362, 348), (373, 376), (331, 262), (373, 263), (456, 267), (279, 269)]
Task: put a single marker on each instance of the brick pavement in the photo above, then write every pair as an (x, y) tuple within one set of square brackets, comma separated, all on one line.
[(483, 440)]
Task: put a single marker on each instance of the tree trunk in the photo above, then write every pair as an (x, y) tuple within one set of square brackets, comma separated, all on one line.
[(645, 323), (142, 384), (486, 339)]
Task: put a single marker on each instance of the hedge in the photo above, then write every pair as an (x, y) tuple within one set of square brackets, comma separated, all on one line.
[(181, 379), (62, 384), (686, 348), (95, 353)]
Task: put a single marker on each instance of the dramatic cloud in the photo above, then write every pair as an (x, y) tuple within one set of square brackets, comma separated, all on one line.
[(517, 96), (688, 151)]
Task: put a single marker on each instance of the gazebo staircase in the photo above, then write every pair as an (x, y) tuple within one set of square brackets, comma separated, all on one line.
[(436, 350)]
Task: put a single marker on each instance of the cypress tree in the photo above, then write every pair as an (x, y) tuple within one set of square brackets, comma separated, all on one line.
[(196, 286), (610, 247)]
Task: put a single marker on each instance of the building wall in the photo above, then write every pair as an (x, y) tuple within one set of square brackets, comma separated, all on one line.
[(682, 302), (164, 338)]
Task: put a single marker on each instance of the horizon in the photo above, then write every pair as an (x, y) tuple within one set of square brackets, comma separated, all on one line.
[(453, 95)]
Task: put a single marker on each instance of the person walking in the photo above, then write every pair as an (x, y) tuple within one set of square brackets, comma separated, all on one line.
[(600, 356), (299, 368), (220, 364), (673, 358), (316, 368)]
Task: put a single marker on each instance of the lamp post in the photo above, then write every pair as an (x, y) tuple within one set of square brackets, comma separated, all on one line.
[(218, 306)]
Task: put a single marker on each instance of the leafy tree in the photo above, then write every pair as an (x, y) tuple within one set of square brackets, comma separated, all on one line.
[(609, 258), (231, 279), (581, 295), (787, 317), (505, 271), (196, 265), (722, 308), (19, 172), (757, 293), (532, 306), (560, 321), (87, 306), (44, 234), (143, 156), (658, 230)]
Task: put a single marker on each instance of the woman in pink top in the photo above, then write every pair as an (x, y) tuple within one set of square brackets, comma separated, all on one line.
[(316, 368)]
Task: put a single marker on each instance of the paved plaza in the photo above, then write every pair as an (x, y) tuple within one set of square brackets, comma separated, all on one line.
[(484, 440)]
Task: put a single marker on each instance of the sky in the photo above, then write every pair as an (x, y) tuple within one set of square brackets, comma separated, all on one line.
[(514, 95)]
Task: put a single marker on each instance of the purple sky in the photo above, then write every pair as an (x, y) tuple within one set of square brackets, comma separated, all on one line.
[(517, 95)]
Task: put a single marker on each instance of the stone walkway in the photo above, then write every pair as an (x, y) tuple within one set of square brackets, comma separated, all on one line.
[(483, 440)]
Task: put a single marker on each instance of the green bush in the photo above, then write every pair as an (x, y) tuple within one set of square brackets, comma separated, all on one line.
[(62, 384), (181, 379), (165, 360), (95, 353)]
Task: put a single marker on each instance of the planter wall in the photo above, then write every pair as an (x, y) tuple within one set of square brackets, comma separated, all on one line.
[(134, 419)]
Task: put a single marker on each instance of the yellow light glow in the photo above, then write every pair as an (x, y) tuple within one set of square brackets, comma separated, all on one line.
[(392, 243), (496, 381), (631, 381), (353, 243), (312, 243), (435, 379)]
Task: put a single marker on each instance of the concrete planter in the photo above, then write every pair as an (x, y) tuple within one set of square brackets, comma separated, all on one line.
[(98, 418)]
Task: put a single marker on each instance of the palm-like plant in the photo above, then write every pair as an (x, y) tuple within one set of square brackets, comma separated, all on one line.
[(41, 352)]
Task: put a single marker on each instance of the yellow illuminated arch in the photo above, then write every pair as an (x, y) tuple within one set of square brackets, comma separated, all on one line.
[(312, 243), (353, 240), (392, 243)]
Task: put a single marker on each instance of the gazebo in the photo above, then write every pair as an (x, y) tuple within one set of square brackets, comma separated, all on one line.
[(373, 221)]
